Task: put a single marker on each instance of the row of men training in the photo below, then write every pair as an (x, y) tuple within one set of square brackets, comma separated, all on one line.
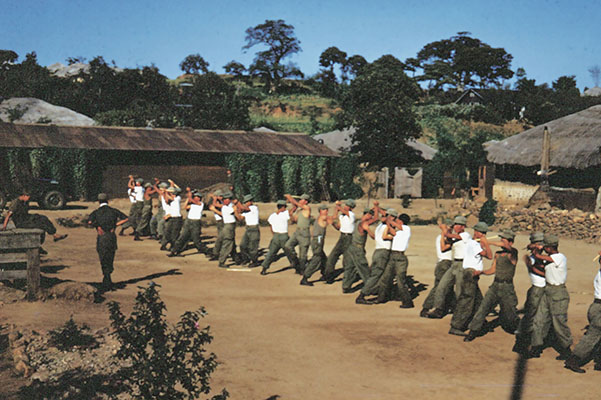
[(459, 265), (544, 323)]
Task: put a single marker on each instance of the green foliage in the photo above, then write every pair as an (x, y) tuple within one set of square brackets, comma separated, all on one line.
[(164, 362), (281, 42), (487, 212), (342, 177), (194, 64), (308, 181), (290, 174), (462, 61), (15, 113), (71, 335), (379, 104)]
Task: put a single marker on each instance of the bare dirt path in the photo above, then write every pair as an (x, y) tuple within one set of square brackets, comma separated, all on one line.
[(275, 337)]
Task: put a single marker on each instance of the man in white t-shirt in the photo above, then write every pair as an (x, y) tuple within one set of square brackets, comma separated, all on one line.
[(471, 296), (249, 246), (590, 344), (134, 186), (171, 201), (458, 238), (444, 257), (396, 267), (279, 227), (346, 225), (379, 258), (191, 228), (228, 234), (536, 272), (554, 304)]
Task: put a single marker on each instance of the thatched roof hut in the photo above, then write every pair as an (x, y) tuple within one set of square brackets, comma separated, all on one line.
[(575, 143)]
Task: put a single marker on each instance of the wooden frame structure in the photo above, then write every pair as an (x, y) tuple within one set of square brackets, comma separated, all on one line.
[(22, 245)]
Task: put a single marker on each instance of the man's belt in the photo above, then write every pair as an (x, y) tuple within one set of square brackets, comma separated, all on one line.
[(458, 259), (342, 233), (497, 280), (398, 251), (598, 301)]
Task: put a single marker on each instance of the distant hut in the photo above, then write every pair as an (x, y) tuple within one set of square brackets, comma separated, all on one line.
[(575, 158), (470, 97)]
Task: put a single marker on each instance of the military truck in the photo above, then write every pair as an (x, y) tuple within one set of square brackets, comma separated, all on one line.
[(48, 193)]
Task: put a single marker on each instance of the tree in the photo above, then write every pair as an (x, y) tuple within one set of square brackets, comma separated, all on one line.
[(462, 61), (281, 43), (235, 68), (379, 105), (595, 72), (355, 64), (76, 60), (215, 105), (7, 57), (194, 64)]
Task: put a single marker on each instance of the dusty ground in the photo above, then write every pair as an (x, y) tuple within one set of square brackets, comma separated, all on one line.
[(274, 337)]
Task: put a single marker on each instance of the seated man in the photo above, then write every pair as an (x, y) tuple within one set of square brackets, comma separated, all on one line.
[(19, 214)]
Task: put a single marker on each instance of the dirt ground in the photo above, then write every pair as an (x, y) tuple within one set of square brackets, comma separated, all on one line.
[(275, 337)]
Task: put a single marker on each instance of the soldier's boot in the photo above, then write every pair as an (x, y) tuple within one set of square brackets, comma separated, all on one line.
[(264, 270), (424, 313), (137, 237), (535, 352), (107, 283), (573, 364), (470, 336), (305, 282), (564, 354), (361, 300), (436, 314), (521, 344), (457, 332), (598, 366)]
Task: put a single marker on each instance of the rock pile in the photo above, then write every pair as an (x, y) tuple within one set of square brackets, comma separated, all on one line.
[(574, 224)]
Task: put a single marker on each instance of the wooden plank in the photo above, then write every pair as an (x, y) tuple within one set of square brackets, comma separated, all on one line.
[(6, 258), (10, 275), (33, 273), (20, 239)]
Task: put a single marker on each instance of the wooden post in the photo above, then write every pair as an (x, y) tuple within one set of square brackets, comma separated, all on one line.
[(33, 273), (545, 161)]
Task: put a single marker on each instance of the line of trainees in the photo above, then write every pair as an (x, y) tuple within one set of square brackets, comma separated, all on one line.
[(460, 261)]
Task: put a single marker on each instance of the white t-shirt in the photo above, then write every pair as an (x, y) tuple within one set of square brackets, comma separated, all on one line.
[(537, 280), (597, 285), (472, 257), (164, 205), (174, 207), (139, 193), (195, 211), (447, 255), (131, 195), (252, 216), (347, 222), (279, 221), (556, 273), (400, 242), (459, 246), (227, 212), (379, 234)]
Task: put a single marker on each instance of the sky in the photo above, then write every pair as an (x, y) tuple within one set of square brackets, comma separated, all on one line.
[(548, 38)]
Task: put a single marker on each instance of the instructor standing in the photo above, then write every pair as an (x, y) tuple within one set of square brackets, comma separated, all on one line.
[(106, 219)]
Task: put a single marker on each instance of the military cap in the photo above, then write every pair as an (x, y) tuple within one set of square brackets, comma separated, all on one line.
[(248, 197), (139, 180), (392, 212), (550, 240), (448, 221), (103, 197), (305, 196), (460, 220), (228, 195), (281, 203), (350, 202), (366, 210), (481, 227), (163, 185), (537, 237), (171, 189), (147, 185), (507, 234), (323, 207), (196, 193), (218, 192)]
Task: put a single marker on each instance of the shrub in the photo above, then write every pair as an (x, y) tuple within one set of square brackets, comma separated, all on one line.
[(487, 212), (71, 335), (164, 362)]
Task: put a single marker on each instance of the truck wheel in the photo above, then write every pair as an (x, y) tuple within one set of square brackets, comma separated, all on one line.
[(54, 200)]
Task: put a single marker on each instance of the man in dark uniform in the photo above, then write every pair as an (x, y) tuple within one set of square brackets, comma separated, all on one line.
[(19, 213), (106, 219)]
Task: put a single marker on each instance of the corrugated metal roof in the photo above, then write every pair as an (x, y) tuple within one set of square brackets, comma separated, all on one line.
[(141, 139)]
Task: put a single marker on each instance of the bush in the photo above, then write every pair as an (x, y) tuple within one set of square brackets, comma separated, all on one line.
[(71, 335), (165, 362), (487, 212)]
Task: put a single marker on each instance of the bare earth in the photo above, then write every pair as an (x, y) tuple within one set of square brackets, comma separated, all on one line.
[(275, 337)]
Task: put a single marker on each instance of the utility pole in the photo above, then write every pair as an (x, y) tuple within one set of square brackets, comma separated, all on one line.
[(545, 160)]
